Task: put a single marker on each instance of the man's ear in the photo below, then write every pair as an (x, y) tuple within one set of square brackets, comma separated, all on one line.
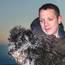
[(59, 19)]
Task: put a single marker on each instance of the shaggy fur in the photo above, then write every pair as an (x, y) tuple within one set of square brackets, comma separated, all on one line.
[(35, 49)]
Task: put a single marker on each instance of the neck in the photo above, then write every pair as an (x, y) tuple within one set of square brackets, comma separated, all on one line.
[(57, 35)]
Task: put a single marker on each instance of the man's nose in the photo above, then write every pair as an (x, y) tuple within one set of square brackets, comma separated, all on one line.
[(46, 23)]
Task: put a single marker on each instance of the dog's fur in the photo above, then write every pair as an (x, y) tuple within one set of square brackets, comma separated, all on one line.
[(35, 49)]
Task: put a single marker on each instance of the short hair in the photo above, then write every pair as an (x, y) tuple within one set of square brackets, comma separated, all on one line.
[(50, 6)]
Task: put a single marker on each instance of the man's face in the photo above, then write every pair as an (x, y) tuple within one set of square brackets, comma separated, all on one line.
[(49, 21)]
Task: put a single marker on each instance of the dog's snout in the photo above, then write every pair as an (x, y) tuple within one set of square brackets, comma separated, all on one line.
[(9, 53)]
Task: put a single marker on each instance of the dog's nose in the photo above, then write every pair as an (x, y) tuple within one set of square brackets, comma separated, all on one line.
[(9, 53)]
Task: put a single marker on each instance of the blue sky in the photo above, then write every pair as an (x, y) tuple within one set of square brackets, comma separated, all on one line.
[(22, 12)]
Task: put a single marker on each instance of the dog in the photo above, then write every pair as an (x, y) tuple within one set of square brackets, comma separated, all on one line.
[(28, 48), (23, 46)]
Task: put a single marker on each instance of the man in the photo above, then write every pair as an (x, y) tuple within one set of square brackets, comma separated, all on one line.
[(50, 24)]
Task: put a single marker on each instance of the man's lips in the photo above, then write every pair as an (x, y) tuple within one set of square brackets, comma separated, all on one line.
[(47, 28)]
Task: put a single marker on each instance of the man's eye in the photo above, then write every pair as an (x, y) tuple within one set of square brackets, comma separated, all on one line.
[(50, 19)]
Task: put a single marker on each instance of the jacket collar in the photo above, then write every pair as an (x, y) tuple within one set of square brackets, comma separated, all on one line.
[(61, 33)]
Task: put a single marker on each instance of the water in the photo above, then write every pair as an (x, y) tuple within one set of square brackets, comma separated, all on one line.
[(4, 57)]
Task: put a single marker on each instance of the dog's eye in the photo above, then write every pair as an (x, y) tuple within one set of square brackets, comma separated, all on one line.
[(24, 39)]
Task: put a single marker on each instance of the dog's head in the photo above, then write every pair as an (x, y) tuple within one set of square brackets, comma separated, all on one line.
[(20, 40)]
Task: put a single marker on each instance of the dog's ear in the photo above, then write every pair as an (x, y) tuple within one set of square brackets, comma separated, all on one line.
[(15, 33)]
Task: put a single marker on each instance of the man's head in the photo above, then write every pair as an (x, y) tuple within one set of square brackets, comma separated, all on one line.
[(50, 6), (50, 18)]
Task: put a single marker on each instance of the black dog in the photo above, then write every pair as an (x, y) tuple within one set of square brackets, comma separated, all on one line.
[(23, 46), (35, 49)]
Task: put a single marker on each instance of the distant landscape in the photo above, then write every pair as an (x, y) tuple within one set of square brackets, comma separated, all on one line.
[(4, 57)]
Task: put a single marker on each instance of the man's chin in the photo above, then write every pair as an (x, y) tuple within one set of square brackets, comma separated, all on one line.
[(48, 32)]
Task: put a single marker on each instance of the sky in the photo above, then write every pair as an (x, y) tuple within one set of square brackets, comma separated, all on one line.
[(22, 12)]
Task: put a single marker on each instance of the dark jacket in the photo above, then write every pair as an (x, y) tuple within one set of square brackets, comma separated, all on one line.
[(54, 53), (35, 26)]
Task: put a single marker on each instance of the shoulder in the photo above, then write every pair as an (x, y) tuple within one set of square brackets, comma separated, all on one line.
[(35, 25), (61, 30)]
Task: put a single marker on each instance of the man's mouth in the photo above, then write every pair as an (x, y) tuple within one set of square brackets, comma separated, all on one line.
[(47, 29)]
